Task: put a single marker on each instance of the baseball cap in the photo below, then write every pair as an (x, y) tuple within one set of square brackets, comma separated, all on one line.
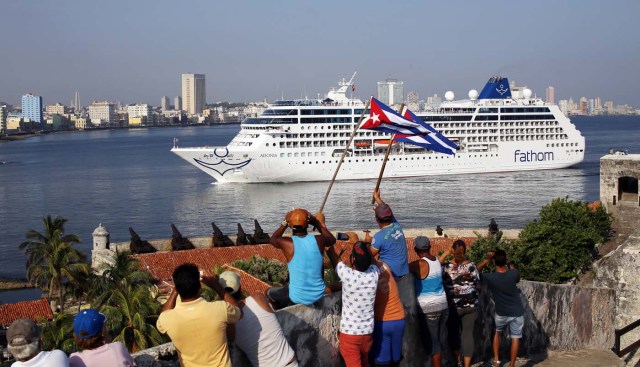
[(88, 323), (299, 218), (361, 256), (230, 281), (383, 211), (422, 243), (22, 328)]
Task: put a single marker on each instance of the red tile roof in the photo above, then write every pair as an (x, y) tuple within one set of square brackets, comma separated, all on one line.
[(249, 283), (161, 264), (35, 310)]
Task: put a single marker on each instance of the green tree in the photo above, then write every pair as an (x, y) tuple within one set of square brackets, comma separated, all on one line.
[(483, 244), (131, 315), (58, 333), (555, 247), (268, 270), (123, 272), (52, 260)]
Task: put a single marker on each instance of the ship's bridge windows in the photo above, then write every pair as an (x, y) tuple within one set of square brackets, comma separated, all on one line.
[(487, 110), (271, 112), (328, 111), (268, 121)]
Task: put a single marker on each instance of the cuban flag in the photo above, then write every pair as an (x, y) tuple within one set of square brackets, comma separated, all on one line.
[(384, 118), (433, 141)]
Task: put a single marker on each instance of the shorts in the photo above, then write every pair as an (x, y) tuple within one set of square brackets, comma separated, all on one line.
[(515, 323), (355, 349), (387, 341), (279, 297)]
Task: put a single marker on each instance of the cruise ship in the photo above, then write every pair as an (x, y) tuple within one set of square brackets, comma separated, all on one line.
[(502, 128)]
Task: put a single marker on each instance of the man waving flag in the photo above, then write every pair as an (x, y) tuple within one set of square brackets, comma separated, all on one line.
[(434, 141), (384, 118)]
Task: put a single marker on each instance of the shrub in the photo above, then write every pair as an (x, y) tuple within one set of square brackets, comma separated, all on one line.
[(270, 271), (555, 247), (484, 244)]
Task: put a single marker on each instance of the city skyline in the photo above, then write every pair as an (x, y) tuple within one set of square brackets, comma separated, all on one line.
[(250, 52)]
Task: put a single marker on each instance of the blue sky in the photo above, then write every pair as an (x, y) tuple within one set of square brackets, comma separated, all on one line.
[(135, 51)]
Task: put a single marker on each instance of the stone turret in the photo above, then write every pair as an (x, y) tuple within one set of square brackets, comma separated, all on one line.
[(101, 253)]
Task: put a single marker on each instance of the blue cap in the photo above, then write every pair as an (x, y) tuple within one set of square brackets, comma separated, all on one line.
[(89, 321)]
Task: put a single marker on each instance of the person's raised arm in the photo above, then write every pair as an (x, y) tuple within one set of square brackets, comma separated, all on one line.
[(445, 254), (486, 261), (276, 239), (333, 256), (318, 221), (171, 302), (376, 197), (211, 281)]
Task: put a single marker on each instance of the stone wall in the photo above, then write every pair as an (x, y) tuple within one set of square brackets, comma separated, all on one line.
[(612, 167), (556, 317)]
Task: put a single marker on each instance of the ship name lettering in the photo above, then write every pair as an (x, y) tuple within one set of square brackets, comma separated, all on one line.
[(532, 156), (265, 155)]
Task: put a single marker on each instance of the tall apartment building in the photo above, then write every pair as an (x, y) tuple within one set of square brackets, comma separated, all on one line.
[(177, 103), (3, 119), (193, 93), (76, 102), (165, 104), (391, 91), (140, 112), (32, 108), (551, 97), (103, 113), (56, 109)]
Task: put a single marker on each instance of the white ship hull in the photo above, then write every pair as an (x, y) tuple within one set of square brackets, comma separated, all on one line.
[(303, 141)]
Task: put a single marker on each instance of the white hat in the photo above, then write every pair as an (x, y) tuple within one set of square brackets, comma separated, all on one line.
[(230, 281)]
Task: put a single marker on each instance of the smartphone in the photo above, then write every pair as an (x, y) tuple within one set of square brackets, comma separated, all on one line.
[(342, 236)]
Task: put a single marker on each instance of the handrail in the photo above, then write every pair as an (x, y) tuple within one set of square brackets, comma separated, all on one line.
[(619, 333)]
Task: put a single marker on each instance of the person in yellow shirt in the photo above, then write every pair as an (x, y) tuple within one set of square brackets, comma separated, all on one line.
[(196, 327)]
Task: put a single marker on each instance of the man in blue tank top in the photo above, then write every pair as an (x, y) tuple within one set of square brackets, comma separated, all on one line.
[(303, 253), (389, 243)]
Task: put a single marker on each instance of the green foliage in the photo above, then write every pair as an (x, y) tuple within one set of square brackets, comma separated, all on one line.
[(53, 263), (270, 271), (478, 251), (562, 242), (58, 333)]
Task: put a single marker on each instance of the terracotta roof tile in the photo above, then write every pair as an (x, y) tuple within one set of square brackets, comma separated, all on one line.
[(34, 310), (161, 264), (249, 283)]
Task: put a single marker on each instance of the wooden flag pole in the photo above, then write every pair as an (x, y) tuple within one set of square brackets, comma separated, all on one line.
[(384, 161), (346, 148)]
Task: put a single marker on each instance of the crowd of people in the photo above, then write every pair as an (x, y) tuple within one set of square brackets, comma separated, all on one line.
[(373, 318)]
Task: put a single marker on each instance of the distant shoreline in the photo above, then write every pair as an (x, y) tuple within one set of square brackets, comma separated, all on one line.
[(22, 136), (9, 284)]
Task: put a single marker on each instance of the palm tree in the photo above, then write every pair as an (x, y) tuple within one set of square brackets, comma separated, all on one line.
[(131, 314), (124, 271), (58, 333), (52, 260)]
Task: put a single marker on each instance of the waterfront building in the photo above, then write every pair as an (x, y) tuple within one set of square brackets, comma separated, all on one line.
[(56, 109), (433, 102), (140, 114), (14, 123), (584, 104), (608, 105), (103, 114), (193, 93), (80, 123), (412, 101), (32, 108), (391, 91), (165, 104), (550, 95), (3, 119), (564, 106), (177, 103)]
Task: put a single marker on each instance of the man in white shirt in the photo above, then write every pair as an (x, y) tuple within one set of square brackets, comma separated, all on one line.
[(24, 344)]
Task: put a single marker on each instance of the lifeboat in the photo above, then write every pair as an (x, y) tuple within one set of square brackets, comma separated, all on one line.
[(384, 142), (362, 144)]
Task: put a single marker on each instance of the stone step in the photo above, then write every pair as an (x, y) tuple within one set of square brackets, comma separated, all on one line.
[(567, 358)]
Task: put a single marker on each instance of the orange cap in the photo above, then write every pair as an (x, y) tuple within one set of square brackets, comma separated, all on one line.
[(299, 218)]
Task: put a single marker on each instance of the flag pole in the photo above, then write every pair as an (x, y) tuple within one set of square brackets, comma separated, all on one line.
[(344, 153), (384, 161)]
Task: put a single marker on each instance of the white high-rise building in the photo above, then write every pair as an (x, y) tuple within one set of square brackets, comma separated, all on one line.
[(391, 91), (140, 110), (76, 102), (3, 118), (164, 103), (193, 93), (177, 104), (103, 113), (551, 95)]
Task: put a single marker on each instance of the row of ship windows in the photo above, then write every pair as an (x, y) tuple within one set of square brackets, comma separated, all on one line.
[(357, 160), (358, 111)]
